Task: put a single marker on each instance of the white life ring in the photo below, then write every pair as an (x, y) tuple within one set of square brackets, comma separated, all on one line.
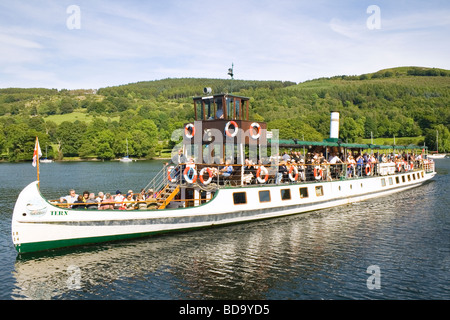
[(186, 175), (318, 172), (293, 169), (262, 170), (368, 170), (227, 127), (209, 176), (255, 125), (189, 130), (169, 170)]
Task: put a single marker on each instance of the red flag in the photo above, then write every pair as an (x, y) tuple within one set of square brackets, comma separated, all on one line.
[(37, 153)]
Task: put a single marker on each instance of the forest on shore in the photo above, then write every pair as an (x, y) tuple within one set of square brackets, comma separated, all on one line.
[(408, 103)]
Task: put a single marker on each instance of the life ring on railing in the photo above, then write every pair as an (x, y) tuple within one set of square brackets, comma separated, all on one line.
[(210, 176), (318, 172), (399, 167), (186, 174), (227, 127), (405, 165), (291, 176), (169, 177), (189, 130), (411, 165), (255, 125), (368, 170), (264, 172)]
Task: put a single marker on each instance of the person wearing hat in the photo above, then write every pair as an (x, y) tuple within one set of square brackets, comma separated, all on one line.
[(118, 199)]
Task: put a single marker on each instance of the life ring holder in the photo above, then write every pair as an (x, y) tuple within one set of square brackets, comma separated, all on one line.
[(255, 125), (318, 172), (293, 169), (186, 175), (227, 127), (210, 176), (189, 127), (262, 171)]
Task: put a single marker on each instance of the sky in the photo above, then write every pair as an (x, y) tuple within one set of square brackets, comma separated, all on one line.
[(77, 44)]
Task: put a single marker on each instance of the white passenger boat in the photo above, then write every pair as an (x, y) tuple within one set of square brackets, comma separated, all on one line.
[(191, 196)]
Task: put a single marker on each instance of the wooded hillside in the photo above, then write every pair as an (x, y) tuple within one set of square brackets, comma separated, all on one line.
[(400, 102)]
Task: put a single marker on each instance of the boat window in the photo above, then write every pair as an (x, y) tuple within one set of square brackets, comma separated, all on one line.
[(303, 192), (383, 182), (414, 176), (397, 180), (264, 196), (219, 106), (403, 179), (285, 194), (418, 175), (238, 109), (319, 191), (240, 198), (409, 177), (421, 174), (199, 108), (391, 182)]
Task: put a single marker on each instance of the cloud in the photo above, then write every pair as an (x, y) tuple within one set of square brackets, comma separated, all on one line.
[(284, 40)]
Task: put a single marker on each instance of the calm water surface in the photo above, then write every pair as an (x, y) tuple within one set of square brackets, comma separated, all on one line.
[(319, 255)]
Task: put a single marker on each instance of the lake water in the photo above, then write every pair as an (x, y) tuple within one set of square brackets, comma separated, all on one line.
[(395, 247)]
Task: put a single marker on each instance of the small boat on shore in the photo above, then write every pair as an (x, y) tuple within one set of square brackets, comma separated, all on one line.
[(227, 170)]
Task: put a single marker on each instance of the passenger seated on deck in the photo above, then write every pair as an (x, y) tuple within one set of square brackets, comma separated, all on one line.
[(141, 204), (79, 203), (106, 203), (71, 198), (227, 170), (118, 199), (129, 202), (91, 203)]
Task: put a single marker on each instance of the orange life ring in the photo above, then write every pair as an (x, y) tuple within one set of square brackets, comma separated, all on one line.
[(169, 170), (318, 172), (399, 167), (227, 127), (189, 130), (186, 175), (412, 165), (255, 125), (295, 170), (368, 169), (200, 176), (265, 172)]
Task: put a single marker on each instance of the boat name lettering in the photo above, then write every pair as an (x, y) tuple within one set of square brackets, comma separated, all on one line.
[(58, 213)]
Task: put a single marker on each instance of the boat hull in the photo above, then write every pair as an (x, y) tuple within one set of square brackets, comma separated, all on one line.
[(38, 225)]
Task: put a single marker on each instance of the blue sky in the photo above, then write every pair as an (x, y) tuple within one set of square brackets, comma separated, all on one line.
[(118, 42)]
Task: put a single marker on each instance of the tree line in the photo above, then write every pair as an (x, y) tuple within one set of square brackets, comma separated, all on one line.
[(401, 103)]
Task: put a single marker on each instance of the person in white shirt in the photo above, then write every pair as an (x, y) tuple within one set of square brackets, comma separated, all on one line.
[(71, 198)]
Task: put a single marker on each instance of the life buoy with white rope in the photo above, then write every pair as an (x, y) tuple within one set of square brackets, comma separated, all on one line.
[(169, 177), (318, 172), (293, 173), (186, 174), (257, 127), (227, 129), (405, 165), (262, 171), (202, 172), (399, 167), (412, 165), (189, 131), (368, 170)]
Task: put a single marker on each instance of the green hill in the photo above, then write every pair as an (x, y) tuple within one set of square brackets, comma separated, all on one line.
[(401, 102)]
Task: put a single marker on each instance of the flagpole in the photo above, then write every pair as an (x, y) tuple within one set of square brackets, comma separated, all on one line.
[(37, 143)]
